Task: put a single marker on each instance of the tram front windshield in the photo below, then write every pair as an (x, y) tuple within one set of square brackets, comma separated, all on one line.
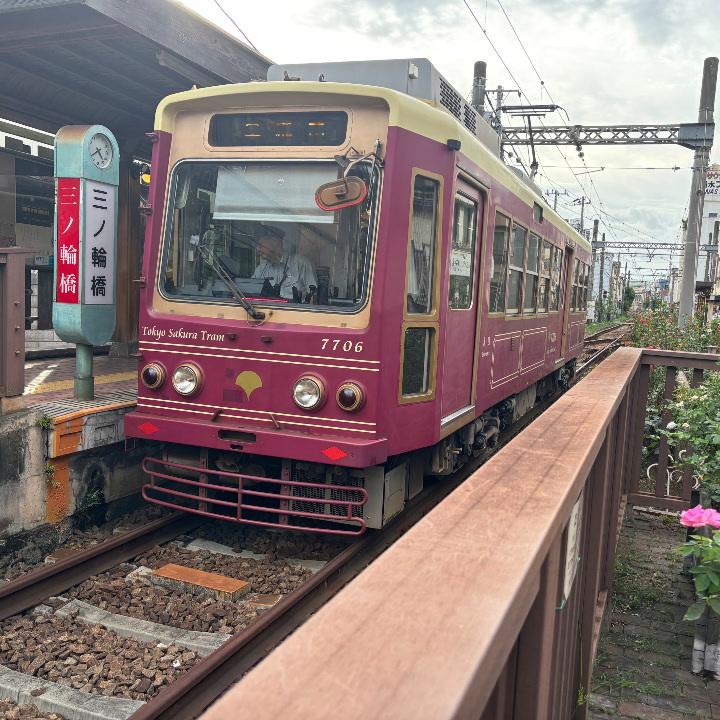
[(258, 224)]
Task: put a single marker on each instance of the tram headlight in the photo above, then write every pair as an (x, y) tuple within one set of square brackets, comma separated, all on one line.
[(350, 397), (309, 393), (152, 375), (187, 379)]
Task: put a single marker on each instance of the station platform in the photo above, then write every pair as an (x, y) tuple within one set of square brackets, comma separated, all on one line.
[(51, 379), (59, 455)]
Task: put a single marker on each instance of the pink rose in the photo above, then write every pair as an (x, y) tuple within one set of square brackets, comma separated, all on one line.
[(699, 517)]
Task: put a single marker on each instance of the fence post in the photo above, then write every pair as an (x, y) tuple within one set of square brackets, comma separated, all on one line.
[(12, 328), (637, 428)]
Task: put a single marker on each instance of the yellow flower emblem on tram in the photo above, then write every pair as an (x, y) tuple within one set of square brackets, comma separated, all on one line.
[(249, 381)]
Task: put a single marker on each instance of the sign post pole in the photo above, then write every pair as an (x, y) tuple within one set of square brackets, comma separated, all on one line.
[(86, 178)]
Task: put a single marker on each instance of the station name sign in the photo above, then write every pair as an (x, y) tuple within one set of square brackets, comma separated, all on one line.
[(86, 184), (95, 252)]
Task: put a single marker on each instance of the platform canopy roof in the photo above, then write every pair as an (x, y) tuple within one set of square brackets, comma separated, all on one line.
[(66, 62)]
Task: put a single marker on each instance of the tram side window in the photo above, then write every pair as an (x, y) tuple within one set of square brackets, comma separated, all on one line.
[(556, 278), (531, 277), (419, 340), (462, 255), (575, 289), (515, 277), (423, 239), (545, 269), (499, 266), (417, 354), (586, 278)]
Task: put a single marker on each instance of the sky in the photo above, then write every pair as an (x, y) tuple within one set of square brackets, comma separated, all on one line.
[(603, 61)]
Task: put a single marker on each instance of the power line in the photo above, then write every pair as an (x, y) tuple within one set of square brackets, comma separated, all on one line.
[(626, 167), (492, 45), (543, 86), (239, 29), (517, 37), (520, 90)]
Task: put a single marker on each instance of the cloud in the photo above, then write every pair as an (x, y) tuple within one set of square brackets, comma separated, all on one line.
[(654, 21), (394, 20)]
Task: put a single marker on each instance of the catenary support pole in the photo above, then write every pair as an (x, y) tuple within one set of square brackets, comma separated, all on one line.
[(602, 279), (596, 223), (697, 193)]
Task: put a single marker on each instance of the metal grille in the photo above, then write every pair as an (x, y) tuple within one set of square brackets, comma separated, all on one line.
[(470, 117), (346, 496), (336, 489), (450, 99), (304, 473)]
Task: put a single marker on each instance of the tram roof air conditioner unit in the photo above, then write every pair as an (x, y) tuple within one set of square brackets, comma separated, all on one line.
[(416, 77)]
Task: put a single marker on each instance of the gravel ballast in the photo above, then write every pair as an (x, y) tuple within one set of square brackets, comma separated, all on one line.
[(89, 658), (24, 552), (140, 598), (274, 544), (11, 711)]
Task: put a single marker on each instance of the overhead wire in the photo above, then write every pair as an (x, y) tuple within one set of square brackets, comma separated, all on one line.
[(237, 27), (549, 94), (519, 87)]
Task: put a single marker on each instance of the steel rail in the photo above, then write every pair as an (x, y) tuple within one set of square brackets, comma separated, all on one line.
[(608, 329), (582, 369), (37, 585), (198, 688)]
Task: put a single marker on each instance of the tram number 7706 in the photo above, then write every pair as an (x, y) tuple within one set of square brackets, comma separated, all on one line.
[(346, 345)]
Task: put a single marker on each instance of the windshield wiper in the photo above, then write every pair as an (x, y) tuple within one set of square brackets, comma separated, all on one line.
[(235, 291)]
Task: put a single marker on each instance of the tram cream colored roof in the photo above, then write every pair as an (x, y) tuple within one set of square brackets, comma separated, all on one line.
[(419, 116)]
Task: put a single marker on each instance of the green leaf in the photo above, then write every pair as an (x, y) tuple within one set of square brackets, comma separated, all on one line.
[(695, 611), (702, 583), (714, 577), (714, 603)]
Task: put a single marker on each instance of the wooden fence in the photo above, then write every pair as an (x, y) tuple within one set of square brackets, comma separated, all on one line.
[(489, 607)]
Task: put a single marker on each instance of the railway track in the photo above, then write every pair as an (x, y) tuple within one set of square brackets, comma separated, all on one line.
[(598, 345), (189, 694), (197, 687)]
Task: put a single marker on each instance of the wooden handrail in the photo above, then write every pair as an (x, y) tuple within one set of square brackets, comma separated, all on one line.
[(680, 358), (439, 624)]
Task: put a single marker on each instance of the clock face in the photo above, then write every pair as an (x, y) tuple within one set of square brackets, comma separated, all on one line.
[(101, 150)]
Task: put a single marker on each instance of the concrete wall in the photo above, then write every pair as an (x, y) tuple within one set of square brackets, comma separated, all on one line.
[(22, 480), (52, 468)]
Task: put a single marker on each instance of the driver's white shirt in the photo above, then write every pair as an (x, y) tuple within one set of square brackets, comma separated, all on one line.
[(298, 271)]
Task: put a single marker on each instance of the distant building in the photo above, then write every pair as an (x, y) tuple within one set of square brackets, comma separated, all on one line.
[(708, 251)]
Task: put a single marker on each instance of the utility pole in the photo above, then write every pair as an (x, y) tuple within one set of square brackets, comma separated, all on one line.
[(602, 278), (596, 223), (624, 286), (697, 192), (582, 201), (673, 277), (555, 194), (499, 92)]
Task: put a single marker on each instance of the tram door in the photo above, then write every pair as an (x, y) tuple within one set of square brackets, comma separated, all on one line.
[(566, 297), (462, 299)]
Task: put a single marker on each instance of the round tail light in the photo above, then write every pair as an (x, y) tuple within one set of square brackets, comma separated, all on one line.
[(152, 375), (350, 396)]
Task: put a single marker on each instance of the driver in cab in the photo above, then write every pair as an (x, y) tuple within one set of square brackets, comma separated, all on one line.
[(287, 275)]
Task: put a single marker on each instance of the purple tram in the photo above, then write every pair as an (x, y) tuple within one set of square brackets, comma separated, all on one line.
[(345, 290)]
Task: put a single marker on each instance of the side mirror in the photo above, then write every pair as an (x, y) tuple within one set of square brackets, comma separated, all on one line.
[(342, 193)]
